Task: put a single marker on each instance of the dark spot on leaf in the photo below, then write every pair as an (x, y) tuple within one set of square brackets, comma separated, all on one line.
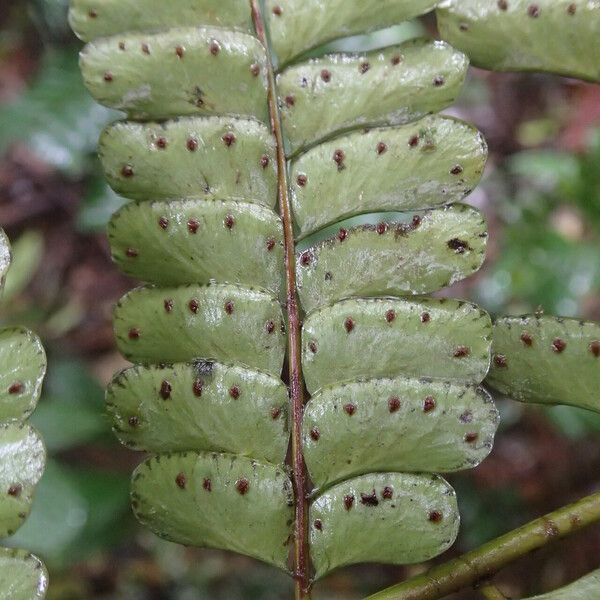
[(165, 390), (328, 276), (572, 8), (413, 141), (229, 307), (349, 324), (429, 404), (145, 49), (425, 317), (179, 51), (350, 409), (16, 388), (275, 412), (502, 4), (181, 481), (459, 246), (270, 327), (242, 486), (364, 67), (193, 225), (466, 417), (301, 180), (121, 45), (134, 333), (382, 228), (438, 81), (396, 59), (381, 148), (234, 392), (435, 516), (306, 258), (500, 360), (390, 315), (197, 387), (290, 101), (526, 338), (342, 234), (315, 434), (161, 143), (194, 305), (533, 11), (229, 222), (207, 484), (255, 69), (93, 13), (471, 437), (192, 144), (326, 75), (108, 76), (464, 27), (215, 47), (133, 421), (461, 352), (228, 138), (127, 171), (277, 10), (387, 493), (318, 524), (264, 161), (559, 345), (348, 501), (456, 170), (595, 349), (15, 490), (131, 253), (313, 346), (416, 221), (369, 499), (270, 244), (394, 404), (168, 304)]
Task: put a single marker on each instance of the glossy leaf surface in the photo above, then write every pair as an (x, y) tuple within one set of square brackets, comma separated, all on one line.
[(441, 248), (4, 257), (299, 25), (547, 360), (92, 19), (404, 425), (200, 406), (23, 575), (189, 158), (22, 370), (586, 588), (217, 501), (173, 243), (178, 72), (435, 161), (560, 36), (388, 337), (384, 87), (22, 459), (382, 517), (228, 323)]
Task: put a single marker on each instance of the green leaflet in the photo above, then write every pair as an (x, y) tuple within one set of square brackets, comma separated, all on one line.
[(387, 517), (4, 257), (91, 19), (228, 323), (396, 425), (299, 25), (547, 360), (435, 161), (384, 87), (190, 157), (217, 501), (441, 248), (22, 459), (23, 366), (560, 36), (178, 72), (23, 575), (586, 588), (172, 243), (200, 406), (387, 337)]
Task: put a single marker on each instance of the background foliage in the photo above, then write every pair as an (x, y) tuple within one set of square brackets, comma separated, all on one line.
[(541, 195)]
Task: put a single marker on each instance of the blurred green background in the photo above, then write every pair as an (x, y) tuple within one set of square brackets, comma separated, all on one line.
[(541, 196)]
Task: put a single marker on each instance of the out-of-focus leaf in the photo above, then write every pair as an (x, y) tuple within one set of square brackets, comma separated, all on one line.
[(559, 36), (55, 116), (382, 517), (444, 246), (76, 512), (217, 501), (227, 323), (547, 360), (586, 588), (178, 72), (23, 576), (98, 204), (27, 254), (201, 406), (388, 337), (22, 460), (384, 87)]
